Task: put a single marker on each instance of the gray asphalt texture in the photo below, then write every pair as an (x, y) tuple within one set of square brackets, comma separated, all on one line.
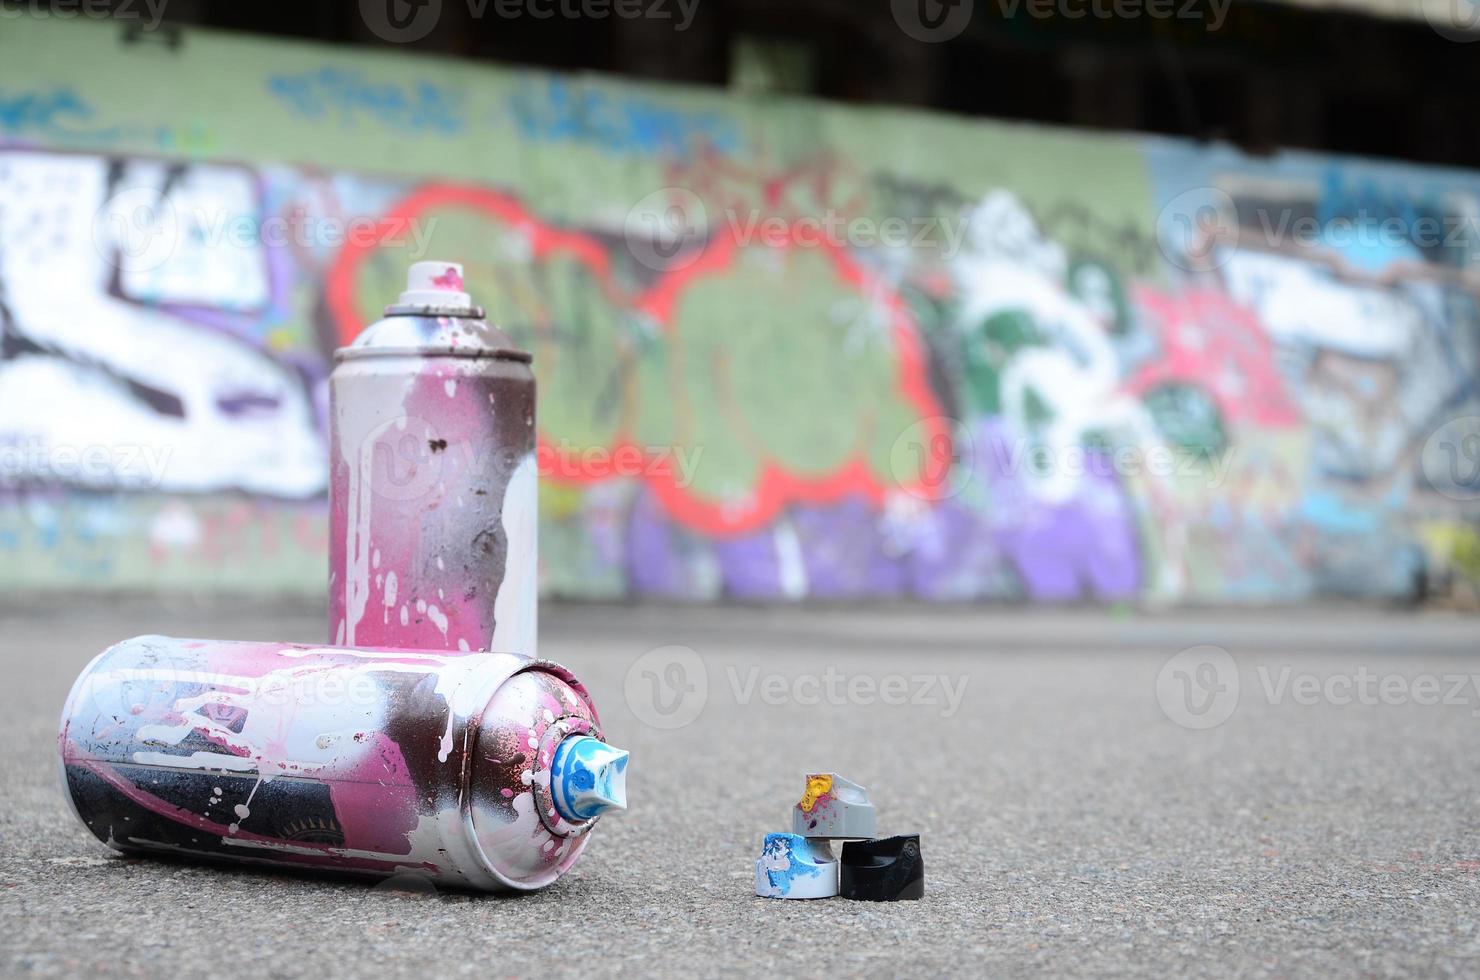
[(1069, 825)]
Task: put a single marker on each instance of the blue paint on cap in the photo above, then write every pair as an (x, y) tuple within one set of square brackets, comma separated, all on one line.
[(793, 866), (587, 778)]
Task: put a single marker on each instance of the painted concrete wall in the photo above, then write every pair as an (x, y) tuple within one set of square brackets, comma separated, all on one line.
[(786, 350)]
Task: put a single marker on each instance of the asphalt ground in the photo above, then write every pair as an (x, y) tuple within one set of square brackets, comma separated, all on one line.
[(1227, 793)]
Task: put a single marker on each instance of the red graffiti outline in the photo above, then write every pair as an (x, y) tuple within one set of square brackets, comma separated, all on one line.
[(340, 281), (775, 487)]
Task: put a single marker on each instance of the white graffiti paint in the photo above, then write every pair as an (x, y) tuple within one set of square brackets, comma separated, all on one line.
[(1010, 267), (90, 371), (1301, 303)]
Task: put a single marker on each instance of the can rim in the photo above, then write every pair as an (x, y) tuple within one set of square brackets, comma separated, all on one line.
[(474, 724), (414, 309), (487, 353)]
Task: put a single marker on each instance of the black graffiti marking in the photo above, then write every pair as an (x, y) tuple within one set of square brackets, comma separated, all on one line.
[(917, 197), (15, 345)]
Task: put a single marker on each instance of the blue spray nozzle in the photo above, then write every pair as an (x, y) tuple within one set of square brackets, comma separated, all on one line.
[(587, 778)]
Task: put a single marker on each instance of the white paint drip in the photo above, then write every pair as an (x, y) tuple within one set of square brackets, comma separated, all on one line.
[(515, 616), (438, 618), (196, 760), (392, 585)]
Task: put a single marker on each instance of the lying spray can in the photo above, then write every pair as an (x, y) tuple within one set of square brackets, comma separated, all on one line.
[(476, 770), (433, 486)]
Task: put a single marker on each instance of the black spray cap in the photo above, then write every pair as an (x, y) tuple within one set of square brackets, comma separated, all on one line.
[(887, 869)]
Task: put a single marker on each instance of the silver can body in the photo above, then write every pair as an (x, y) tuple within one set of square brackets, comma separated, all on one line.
[(433, 488), (377, 762)]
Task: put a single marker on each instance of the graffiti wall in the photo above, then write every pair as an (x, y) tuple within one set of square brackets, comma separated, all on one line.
[(785, 350)]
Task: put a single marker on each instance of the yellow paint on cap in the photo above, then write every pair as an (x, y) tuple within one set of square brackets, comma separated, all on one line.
[(816, 786)]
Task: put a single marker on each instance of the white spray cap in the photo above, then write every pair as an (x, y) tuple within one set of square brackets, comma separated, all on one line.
[(434, 316), (833, 807), (793, 866), (436, 284)]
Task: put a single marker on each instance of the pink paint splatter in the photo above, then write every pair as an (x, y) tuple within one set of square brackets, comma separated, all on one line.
[(450, 280)]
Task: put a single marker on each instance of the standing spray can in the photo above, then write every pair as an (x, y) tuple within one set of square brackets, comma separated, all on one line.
[(434, 485), (476, 770)]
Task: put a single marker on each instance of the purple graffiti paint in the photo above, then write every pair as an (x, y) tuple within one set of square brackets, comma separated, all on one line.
[(372, 761), (433, 492)]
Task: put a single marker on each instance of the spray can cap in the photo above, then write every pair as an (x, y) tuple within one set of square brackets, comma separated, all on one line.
[(886, 870), (436, 284), (792, 866), (587, 778), (434, 315), (833, 807)]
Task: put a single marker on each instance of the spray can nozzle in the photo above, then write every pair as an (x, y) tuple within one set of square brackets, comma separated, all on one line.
[(587, 778), (435, 284)]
